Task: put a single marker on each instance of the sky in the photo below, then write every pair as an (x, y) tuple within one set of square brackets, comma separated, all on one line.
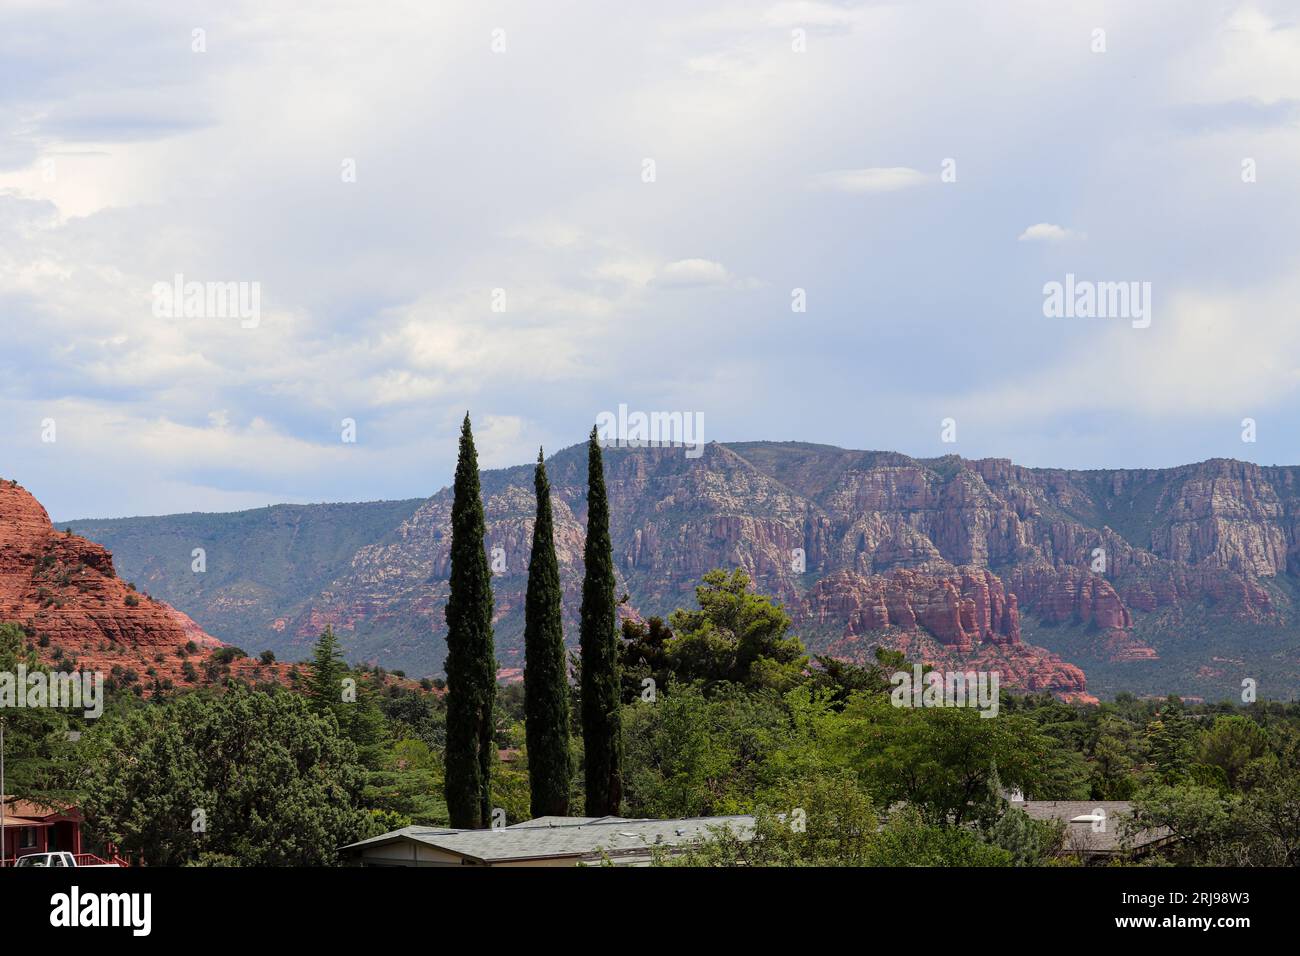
[(540, 212)]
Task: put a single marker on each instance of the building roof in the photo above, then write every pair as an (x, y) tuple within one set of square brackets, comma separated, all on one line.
[(16, 808), (561, 822), (1089, 834), (552, 837)]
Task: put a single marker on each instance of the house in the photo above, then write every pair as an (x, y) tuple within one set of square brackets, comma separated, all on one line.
[(1094, 828), (37, 828), (545, 841)]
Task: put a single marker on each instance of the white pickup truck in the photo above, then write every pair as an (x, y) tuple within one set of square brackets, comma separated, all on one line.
[(56, 859)]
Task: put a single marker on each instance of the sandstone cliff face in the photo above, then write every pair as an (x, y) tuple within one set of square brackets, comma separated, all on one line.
[(675, 519), (1227, 515), (959, 612), (1019, 666), (1070, 594), (964, 553), (64, 590), (863, 543)]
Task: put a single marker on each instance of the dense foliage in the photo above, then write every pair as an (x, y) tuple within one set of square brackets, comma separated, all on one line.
[(36, 739), (742, 722), (243, 777), (738, 721)]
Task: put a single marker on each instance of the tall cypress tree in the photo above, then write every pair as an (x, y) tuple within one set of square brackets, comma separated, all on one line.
[(546, 685), (601, 722), (470, 664)]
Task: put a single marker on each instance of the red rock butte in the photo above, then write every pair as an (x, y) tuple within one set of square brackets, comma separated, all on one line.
[(967, 622), (65, 592)]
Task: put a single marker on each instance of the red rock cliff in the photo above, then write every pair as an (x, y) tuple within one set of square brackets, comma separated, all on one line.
[(64, 591)]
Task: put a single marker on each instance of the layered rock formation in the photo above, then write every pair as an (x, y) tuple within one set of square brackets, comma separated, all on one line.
[(976, 556), (1019, 666), (850, 572), (64, 591), (960, 612)]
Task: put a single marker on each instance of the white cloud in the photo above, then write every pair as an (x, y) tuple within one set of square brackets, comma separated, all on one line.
[(807, 13), (691, 273), (550, 234), (1048, 232), (498, 439), (873, 180), (1207, 355), (634, 271)]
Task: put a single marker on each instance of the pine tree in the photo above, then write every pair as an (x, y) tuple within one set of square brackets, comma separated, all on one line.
[(356, 708), (470, 664), (1170, 737), (546, 685), (601, 721), (324, 685)]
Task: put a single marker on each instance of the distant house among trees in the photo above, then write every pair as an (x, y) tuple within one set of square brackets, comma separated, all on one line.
[(545, 841), (1095, 830), (31, 827)]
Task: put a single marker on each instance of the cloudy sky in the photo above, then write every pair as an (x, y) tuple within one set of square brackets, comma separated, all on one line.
[(642, 190)]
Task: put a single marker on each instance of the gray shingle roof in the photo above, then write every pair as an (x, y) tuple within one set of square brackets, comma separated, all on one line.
[(1082, 834), (558, 822), (585, 837)]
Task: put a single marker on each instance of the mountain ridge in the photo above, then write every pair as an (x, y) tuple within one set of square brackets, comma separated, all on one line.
[(1211, 544)]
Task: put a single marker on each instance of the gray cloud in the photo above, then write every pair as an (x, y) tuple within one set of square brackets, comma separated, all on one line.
[(129, 159)]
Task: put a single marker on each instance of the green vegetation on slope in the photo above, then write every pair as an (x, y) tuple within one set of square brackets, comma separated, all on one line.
[(261, 565)]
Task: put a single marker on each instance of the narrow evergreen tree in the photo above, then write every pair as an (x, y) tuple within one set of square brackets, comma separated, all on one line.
[(357, 712), (546, 685), (324, 685), (470, 664), (601, 722)]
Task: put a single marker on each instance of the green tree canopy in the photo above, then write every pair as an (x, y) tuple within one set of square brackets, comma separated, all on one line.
[(1231, 743), (38, 754), (735, 636), (253, 778)]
